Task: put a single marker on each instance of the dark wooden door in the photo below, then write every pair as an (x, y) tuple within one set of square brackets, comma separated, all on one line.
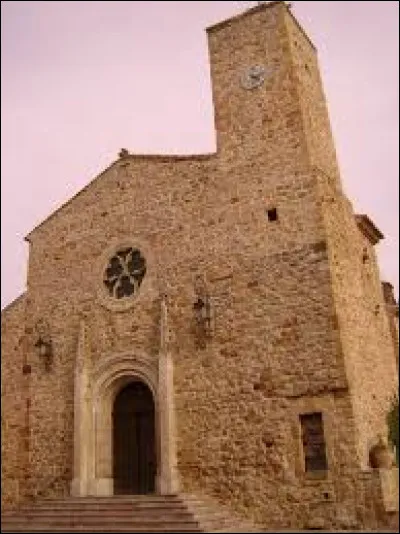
[(134, 440)]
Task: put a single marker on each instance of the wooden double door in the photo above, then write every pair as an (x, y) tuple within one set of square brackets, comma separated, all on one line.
[(134, 458)]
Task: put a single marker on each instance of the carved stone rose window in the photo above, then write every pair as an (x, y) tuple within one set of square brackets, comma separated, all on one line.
[(124, 273)]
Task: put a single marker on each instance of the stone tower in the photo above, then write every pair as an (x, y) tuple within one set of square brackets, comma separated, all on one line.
[(254, 318), (274, 136)]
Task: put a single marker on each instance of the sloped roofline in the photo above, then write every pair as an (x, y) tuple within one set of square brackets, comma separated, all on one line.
[(28, 236), (158, 157), (13, 302)]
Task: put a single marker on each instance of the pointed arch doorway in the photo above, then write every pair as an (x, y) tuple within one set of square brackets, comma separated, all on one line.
[(134, 453), (99, 394)]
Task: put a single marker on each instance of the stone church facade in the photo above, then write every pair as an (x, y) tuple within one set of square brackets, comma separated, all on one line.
[(211, 323)]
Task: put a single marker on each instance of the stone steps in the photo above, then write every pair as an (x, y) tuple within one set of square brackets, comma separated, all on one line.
[(133, 510), (93, 517), (163, 512), (137, 513), (118, 514)]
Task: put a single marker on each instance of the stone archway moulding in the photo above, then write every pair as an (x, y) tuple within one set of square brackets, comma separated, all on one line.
[(95, 391)]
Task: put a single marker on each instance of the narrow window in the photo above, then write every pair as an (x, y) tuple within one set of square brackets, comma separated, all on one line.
[(272, 214), (312, 434)]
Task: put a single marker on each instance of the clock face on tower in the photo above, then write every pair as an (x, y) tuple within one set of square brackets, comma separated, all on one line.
[(253, 76)]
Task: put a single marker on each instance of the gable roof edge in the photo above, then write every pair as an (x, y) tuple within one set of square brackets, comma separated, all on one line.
[(154, 157), (47, 219), (11, 304)]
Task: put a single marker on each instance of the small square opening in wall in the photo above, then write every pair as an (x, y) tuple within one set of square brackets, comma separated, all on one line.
[(272, 214)]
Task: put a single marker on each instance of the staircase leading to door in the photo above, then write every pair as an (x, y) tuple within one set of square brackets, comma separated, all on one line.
[(134, 513)]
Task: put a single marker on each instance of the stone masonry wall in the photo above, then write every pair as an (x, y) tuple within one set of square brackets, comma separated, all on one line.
[(67, 263), (364, 324), (276, 349), (314, 110), (356, 282), (12, 400)]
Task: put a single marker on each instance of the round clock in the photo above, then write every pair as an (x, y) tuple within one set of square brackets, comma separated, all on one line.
[(253, 77)]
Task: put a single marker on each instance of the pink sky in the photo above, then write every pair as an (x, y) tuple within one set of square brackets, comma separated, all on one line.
[(80, 80)]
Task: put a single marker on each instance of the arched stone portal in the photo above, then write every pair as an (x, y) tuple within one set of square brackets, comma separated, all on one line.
[(96, 396), (134, 453)]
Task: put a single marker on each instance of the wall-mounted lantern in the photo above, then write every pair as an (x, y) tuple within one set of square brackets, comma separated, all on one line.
[(45, 349), (202, 311), (203, 315)]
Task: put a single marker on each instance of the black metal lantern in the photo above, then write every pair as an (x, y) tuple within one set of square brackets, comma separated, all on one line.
[(45, 352), (202, 310)]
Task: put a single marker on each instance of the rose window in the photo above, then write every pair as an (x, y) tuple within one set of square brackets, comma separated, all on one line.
[(124, 273)]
